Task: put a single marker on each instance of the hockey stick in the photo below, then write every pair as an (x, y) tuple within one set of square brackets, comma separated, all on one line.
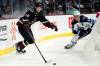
[(40, 53), (39, 50)]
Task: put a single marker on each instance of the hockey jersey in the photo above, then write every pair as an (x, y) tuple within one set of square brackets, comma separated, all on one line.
[(88, 20), (84, 24), (31, 16)]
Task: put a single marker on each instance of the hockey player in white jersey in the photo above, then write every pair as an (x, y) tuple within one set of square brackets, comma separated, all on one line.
[(81, 27)]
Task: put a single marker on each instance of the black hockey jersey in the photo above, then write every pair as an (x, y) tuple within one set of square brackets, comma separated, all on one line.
[(31, 17)]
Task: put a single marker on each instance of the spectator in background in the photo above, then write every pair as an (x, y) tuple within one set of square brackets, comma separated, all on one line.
[(63, 3), (49, 7), (71, 6), (61, 7), (8, 9), (0, 12), (0, 15), (29, 3), (97, 5), (88, 6)]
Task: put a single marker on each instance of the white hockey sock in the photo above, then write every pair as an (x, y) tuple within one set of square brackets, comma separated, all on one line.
[(75, 38)]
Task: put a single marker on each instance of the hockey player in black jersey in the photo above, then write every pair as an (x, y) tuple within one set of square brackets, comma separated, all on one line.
[(24, 24), (81, 27)]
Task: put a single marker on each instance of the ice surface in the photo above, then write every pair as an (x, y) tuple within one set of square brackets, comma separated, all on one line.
[(52, 50)]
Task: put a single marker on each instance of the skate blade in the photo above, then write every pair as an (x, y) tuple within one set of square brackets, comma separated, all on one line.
[(18, 53)]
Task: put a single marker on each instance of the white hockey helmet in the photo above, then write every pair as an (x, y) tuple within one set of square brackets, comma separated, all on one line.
[(76, 13)]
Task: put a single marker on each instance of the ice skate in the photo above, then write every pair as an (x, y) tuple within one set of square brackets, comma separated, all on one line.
[(71, 45), (20, 48)]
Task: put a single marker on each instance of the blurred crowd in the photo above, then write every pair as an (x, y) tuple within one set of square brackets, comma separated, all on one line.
[(89, 6), (9, 8)]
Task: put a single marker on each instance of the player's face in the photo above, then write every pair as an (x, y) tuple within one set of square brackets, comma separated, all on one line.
[(38, 9), (77, 17)]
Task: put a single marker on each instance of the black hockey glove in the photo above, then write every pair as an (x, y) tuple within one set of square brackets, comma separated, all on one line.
[(51, 25), (75, 32), (54, 27)]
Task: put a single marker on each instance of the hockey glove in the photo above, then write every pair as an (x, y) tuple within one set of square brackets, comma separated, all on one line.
[(51, 25), (54, 27), (75, 32)]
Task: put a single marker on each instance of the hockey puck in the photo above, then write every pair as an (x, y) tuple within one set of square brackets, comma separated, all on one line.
[(53, 63)]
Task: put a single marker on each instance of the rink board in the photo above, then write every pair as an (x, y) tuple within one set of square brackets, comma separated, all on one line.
[(9, 31)]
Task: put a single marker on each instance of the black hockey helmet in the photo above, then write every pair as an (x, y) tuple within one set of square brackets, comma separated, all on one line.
[(38, 5)]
